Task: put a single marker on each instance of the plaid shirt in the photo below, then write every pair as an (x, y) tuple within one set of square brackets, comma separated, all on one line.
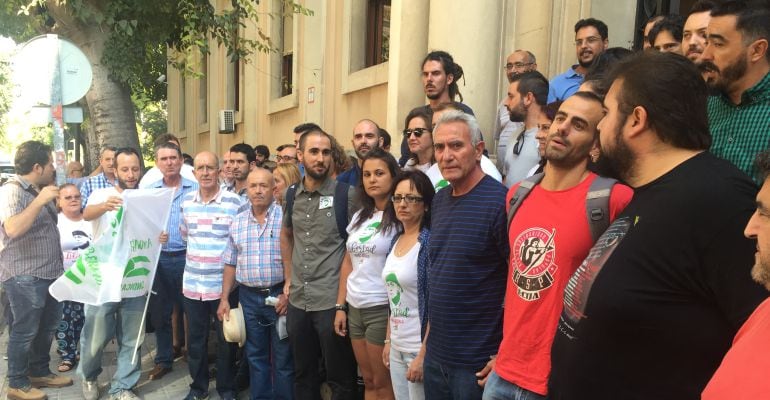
[(206, 227), (93, 183), (741, 131), (255, 249)]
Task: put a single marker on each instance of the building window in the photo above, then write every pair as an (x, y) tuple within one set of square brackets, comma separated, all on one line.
[(233, 76), (203, 90), (282, 60), (377, 32)]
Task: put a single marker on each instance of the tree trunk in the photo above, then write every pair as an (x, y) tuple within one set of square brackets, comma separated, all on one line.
[(110, 110)]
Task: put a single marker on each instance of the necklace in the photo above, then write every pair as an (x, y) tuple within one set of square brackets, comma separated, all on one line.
[(404, 244)]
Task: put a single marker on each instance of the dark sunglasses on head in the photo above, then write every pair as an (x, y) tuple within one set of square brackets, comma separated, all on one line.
[(416, 131)]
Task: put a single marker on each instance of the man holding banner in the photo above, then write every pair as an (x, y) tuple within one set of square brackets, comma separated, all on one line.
[(117, 255), (30, 259)]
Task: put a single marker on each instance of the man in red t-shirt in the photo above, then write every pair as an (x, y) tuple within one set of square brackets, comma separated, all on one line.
[(743, 372), (549, 237)]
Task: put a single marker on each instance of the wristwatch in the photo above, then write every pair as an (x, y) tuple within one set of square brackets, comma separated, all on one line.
[(341, 307)]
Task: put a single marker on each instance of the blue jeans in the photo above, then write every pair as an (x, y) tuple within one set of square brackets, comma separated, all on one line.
[(443, 382), (168, 292), (199, 314), (264, 347), (35, 317), (120, 320), (498, 388), (403, 389)]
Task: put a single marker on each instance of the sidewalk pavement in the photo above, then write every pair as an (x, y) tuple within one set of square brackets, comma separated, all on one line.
[(175, 385)]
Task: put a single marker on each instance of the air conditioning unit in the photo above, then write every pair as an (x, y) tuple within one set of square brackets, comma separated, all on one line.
[(226, 121)]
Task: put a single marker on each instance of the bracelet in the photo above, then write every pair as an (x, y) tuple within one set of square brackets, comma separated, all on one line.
[(341, 307), (386, 341)]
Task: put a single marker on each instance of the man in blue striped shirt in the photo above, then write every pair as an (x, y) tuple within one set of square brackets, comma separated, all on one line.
[(168, 277), (467, 278), (206, 217)]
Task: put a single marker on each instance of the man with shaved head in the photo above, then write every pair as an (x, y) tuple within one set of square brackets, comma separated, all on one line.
[(206, 217), (366, 136)]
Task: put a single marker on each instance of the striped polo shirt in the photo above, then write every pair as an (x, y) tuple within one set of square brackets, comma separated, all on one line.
[(467, 275), (206, 226)]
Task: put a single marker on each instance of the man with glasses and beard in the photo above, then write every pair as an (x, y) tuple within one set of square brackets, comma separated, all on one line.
[(527, 94), (518, 62), (590, 41), (653, 308), (739, 114), (120, 320)]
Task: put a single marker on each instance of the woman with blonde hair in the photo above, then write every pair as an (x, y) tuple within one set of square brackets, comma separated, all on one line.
[(285, 174)]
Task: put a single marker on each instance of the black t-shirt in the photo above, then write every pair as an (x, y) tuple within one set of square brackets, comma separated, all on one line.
[(654, 307)]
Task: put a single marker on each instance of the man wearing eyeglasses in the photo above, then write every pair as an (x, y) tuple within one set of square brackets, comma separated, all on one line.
[(518, 62), (366, 137), (525, 103), (286, 154), (591, 39)]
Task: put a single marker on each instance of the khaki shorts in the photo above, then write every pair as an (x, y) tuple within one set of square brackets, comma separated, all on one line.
[(370, 323)]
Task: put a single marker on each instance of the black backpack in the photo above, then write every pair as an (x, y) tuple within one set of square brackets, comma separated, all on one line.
[(597, 202), (340, 207)]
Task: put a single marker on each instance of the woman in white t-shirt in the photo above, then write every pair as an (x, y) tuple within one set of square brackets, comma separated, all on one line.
[(75, 234), (417, 131), (405, 278), (369, 236)]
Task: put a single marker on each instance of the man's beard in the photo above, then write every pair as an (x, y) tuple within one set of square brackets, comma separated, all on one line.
[(617, 162), (587, 64), (729, 74), (761, 273), (124, 185), (315, 175), (518, 113)]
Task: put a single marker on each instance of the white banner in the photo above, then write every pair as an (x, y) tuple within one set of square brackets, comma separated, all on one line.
[(121, 262)]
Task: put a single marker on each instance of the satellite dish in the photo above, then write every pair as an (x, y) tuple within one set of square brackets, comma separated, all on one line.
[(34, 68)]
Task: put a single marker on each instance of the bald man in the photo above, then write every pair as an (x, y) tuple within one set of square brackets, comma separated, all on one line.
[(206, 217), (366, 136)]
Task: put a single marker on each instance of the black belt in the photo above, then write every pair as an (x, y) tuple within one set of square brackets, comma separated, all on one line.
[(263, 291), (173, 253)]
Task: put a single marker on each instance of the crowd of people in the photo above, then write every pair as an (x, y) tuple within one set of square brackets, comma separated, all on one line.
[(618, 249)]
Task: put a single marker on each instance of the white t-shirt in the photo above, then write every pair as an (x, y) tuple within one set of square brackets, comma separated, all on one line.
[(438, 181), (75, 237), (100, 196), (400, 277), (411, 165), (368, 247), (153, 175)]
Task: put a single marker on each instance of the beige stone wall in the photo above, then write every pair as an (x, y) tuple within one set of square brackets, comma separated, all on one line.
[(479, 34)]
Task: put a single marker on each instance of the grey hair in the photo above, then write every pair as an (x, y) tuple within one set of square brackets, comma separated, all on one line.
[(459, 116)]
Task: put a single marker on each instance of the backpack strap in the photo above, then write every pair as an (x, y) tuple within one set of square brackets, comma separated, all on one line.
[(291, 191), (598, 205), (341, 208), (521, 193)]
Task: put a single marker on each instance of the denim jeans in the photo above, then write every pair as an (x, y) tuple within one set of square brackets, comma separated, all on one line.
[(443, 382), (199, 315), (498, 388), (122, 321), (35, 317), (168, 292), (264, 347), (311, 334), (402, 388)]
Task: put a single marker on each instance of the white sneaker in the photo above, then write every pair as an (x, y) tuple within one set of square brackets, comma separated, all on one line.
[(90, 390), (125, 395)]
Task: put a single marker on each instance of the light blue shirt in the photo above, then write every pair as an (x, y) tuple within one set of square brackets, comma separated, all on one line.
[(175, 240), (564, 85)]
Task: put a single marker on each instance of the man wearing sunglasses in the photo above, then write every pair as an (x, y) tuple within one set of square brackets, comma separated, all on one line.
[(518, 62), (525, 102), (590, 41)]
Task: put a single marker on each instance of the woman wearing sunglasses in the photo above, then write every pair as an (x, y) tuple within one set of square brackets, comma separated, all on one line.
[(418, 135), (404, 276), (369, 236)]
